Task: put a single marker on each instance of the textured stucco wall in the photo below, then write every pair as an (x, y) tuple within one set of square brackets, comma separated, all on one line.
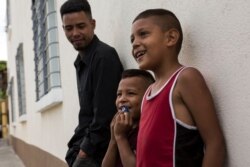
[(216, 34)]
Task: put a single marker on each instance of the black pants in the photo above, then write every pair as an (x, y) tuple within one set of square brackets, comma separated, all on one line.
[(85, 162)]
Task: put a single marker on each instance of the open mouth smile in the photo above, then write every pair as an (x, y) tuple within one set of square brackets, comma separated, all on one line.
[(139, 54)]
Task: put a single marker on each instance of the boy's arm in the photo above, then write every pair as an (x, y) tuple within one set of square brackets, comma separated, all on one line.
[(197, 98), (122, 127), (111, 155)]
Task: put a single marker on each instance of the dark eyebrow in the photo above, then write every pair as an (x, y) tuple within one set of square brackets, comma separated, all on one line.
[(78, 24), (141, 29)]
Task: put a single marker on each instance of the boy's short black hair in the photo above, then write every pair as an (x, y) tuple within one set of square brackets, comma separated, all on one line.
[(166, 20), (147, 76), (71, 6)]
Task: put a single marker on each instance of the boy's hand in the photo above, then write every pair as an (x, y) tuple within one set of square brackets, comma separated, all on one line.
[(82, 154), (112, 124), (123, 124)]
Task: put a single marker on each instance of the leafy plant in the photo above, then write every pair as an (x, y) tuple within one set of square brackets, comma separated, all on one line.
[(3, 65)]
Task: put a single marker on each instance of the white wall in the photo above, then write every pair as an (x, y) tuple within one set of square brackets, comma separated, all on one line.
[(216, 37), (51, 129), (216, 34)]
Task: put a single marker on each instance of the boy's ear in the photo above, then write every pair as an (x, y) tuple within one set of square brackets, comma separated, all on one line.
[(172, 36)]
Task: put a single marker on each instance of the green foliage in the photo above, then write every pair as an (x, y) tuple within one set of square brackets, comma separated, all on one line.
[(3, 65), (2, 94)]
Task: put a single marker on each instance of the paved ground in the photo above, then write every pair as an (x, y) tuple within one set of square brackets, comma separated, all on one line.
[(8, 158)]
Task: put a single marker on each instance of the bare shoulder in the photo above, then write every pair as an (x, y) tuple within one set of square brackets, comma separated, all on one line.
[(191, 86), (192, 96), (191, 76)]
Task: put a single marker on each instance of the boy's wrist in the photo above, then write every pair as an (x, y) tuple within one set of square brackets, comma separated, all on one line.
[(120, 138), (112, 142)]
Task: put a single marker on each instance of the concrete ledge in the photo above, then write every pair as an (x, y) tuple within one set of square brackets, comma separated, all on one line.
[(33, 156)]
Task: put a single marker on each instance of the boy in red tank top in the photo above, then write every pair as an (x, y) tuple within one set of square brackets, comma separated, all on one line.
[(178, 126)]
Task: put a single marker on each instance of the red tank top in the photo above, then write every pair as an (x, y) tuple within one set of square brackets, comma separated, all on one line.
[(157, 137)]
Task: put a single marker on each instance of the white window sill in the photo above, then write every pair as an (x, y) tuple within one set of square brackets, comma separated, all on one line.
[(22, 118), (13, 124), (53, 98)]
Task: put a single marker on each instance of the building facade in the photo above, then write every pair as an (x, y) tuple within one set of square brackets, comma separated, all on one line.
[(42, 91)]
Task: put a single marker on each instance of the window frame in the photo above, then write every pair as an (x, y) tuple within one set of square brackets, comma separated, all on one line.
[(20, 81), (47, 62), (10, 92), (46, 49)]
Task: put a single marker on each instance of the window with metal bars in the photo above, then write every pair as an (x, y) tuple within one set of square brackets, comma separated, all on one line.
[(20, 80), (11, 96), (45, 37)]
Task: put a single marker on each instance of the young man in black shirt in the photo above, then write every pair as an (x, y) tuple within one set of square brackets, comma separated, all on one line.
[(98, 70)]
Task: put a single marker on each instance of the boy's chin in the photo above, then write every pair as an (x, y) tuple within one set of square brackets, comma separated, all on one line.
[(143, 67)]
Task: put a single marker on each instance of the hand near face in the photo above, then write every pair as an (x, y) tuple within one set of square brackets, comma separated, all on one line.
[(112, 125), (123, 124)]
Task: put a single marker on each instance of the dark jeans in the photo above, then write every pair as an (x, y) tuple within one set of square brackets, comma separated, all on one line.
[(85, 162)]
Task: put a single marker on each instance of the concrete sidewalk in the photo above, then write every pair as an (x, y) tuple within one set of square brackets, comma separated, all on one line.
[(8, 157)]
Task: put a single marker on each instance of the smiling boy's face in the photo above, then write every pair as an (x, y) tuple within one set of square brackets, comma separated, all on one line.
[(148, 43), (130, 93)]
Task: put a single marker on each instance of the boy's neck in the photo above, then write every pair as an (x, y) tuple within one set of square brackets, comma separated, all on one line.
[(164, 71), (169, 63), (163, 74)]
